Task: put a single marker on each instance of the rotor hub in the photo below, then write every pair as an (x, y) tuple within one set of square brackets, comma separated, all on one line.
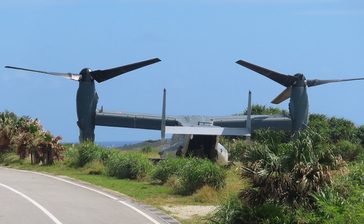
[(85, 73)]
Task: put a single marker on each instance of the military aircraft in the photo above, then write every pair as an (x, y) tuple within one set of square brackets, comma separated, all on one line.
[(192, 135), (296, 89)]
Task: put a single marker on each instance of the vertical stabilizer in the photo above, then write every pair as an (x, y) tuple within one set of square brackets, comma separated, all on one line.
[(163, 122), (249, 114)]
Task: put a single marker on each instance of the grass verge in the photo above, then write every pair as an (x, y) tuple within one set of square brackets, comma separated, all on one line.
[(143, 191)]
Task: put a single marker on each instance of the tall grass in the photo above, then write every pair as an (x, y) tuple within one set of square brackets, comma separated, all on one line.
[(79, 155), (130, 165), (190, 174)]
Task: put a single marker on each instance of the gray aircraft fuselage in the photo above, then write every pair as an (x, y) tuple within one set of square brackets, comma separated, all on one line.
[(298, 105), (86, 103)]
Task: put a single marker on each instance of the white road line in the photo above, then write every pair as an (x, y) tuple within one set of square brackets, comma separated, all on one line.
[(44, 210), (96, 191), (140, 212)]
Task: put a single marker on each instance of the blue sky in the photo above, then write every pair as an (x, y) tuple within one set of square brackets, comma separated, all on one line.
[(198, 42)]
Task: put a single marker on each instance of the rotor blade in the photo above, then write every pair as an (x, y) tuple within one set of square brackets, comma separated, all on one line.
[(283, 96), (64, 75), (103, 75), (285, 80), (316, 82)]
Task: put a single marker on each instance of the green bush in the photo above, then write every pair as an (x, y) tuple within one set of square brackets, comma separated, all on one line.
[(10, 158), (342, 129), (191, 174), (130, 165), (79, 155), (348, 150), (95, 167), (319, 123), (88, 152), (168, 167), (147, 149), (236, 147), (360, 134), (290, 173), (234, 211), (230, 212), (197, 173), (271, 137), (343, 201)]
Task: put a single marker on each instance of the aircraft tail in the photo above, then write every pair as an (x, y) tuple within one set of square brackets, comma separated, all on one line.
[(163, 122), (249, 114)]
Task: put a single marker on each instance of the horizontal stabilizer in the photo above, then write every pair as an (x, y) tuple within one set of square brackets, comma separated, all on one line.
[(198, 130)]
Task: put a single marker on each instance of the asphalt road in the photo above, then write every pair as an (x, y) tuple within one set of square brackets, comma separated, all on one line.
[(36, 198)]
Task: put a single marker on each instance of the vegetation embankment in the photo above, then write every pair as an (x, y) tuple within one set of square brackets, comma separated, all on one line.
[(313, 177)]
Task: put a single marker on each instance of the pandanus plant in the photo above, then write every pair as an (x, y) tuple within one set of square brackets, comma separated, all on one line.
[(8, 125), (291, 173), (29, 138)]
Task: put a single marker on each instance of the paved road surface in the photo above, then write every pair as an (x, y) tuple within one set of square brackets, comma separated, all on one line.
[(36, 198)]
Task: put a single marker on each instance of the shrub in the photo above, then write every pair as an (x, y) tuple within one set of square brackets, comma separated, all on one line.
[(349, 151), (342, 202), (71, 156), (88, 152), (271, 137), (288, 174), (128, 165), (236, 147), (8, 125), (231, 212), (341, 129), (199, 172), (234, 211), (147, 149), (79, 155), (263, 110), (319, 123), (360, 134), (168, 167), (26, 137), (95, 167), (206, 194), (189, 174), (9, 158)]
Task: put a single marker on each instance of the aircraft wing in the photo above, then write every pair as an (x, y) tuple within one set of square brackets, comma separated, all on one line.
[(198, 125), (132, 120), (274, 122)]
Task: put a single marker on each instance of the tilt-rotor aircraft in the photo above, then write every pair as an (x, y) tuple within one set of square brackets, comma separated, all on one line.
[(192, 135), (296, 89)]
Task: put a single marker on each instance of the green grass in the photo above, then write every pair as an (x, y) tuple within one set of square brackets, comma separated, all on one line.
[(143, 191)]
